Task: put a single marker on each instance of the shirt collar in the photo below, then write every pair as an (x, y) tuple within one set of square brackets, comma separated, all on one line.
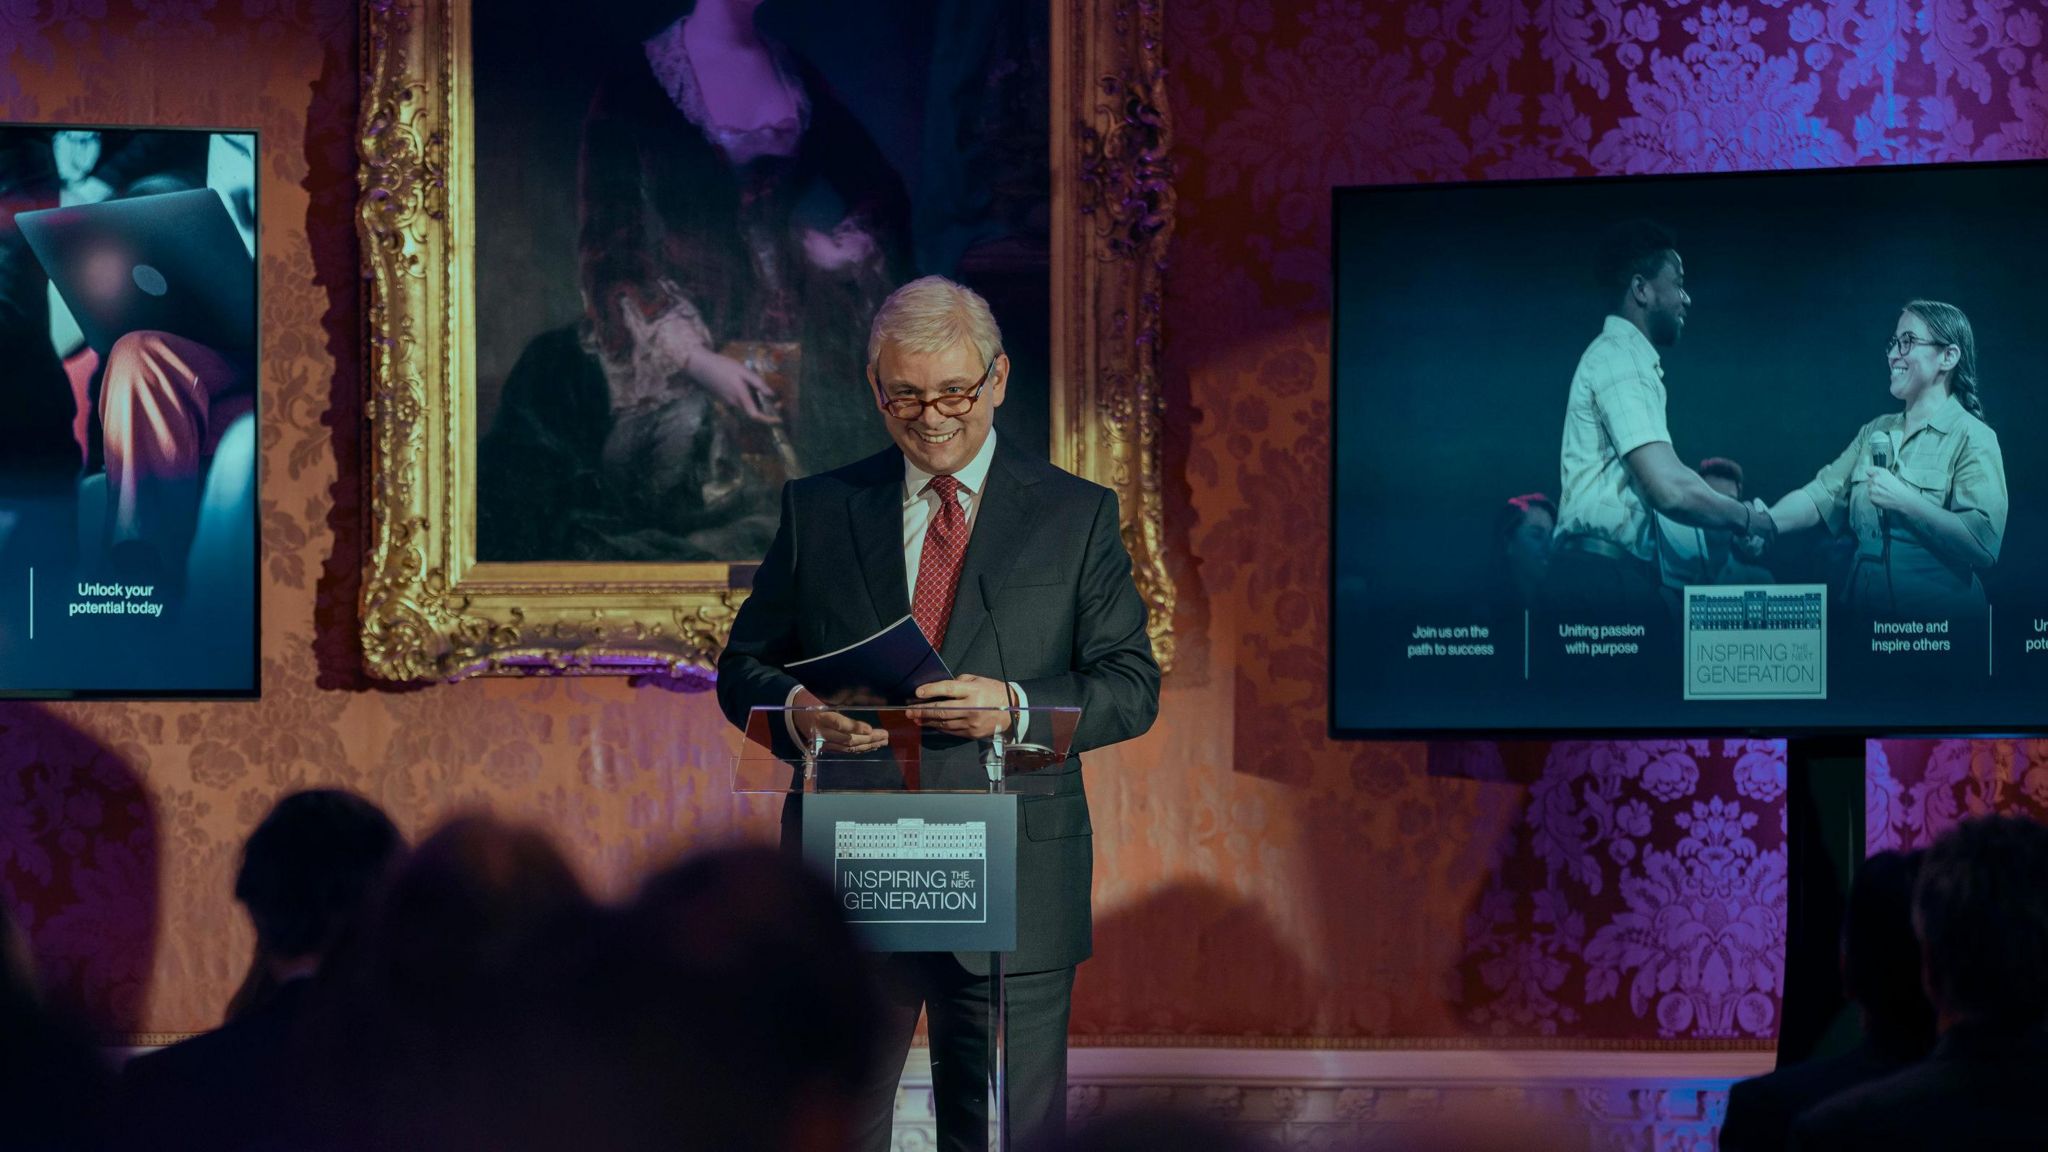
[(1945, 417), (971, 477), (1619, 328), (1941, 423)]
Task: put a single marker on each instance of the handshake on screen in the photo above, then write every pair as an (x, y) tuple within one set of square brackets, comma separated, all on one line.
[(1762, 530)]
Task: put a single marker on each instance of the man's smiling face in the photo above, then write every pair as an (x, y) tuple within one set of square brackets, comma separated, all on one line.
[(935, 443)]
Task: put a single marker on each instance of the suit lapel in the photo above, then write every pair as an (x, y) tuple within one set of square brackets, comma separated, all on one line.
[(877, 514), (1000, 526)]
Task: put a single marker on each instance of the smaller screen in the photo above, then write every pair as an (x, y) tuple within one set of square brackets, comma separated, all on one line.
[(128, 373)]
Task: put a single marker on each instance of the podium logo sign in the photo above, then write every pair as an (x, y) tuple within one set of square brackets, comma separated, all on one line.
[(911, 872), (919, 871), (1756, 642)]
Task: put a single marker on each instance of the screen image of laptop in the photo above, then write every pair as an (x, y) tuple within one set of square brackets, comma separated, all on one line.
[(173, 262)]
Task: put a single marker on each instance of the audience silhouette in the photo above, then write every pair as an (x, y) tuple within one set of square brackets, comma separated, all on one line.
[(54, 1086), (420, 1037), (310, 873), (1881, 972), (1980, 908), (473, 996)]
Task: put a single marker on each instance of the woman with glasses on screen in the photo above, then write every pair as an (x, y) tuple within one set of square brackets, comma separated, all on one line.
[(1921, 490)]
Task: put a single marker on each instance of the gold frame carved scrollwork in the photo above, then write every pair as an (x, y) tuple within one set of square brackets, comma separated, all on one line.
[(430, 611)]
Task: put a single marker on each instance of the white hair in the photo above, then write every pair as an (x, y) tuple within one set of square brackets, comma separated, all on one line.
[(931, 314)]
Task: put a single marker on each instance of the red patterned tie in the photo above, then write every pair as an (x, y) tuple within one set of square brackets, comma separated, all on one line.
[(938, 568)]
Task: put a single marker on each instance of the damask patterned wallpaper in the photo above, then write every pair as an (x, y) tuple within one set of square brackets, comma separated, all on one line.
[(1256, 883)]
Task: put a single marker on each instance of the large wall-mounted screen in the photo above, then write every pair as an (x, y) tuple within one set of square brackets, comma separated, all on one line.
[(1692, 453)]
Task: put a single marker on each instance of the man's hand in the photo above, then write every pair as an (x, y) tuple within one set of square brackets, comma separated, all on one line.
[(1890, 493), (844, 736), (945, 698), (1762, 527), (1762, 530)]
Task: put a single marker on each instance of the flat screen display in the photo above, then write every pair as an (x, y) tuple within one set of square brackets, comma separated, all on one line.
[(1714, 453), (129, 450)]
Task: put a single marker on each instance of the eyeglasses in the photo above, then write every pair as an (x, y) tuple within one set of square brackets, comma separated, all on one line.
[(1905, 342), (910, 409)]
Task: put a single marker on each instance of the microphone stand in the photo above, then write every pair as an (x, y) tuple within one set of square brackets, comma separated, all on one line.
[(1881, 459), (998, 996)]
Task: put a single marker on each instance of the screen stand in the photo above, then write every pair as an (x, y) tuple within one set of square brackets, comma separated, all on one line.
[(1824, 838)]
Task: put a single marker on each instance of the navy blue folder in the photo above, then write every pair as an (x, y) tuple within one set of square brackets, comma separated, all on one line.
[(880, 671)]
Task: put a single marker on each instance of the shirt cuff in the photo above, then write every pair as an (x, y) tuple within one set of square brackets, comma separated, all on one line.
[(789, 718), (1824, 503), (1023, 720)]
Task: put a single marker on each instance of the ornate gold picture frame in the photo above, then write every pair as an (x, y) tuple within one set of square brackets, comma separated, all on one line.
[(432, 611)]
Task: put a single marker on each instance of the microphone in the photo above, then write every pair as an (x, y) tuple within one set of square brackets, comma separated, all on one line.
[(1019, 756), (988, 605), (1881, 457)]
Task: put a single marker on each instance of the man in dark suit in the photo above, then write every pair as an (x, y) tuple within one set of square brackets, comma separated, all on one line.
[(1018, 573), (308, 875), (1981, 912), (1881, 971)]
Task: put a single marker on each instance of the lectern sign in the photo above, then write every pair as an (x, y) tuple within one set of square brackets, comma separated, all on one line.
[(911, 871), (919, 872)]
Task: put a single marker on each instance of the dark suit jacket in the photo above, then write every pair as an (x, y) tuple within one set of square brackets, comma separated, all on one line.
[(1980, 1089), (1761, 1110), (231, 1088), (1068, 627)]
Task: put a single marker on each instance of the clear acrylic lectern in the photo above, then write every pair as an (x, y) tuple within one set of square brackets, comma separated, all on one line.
[(916, 826)]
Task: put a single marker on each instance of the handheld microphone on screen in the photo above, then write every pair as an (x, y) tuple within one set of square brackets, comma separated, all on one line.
[(1881, 457)]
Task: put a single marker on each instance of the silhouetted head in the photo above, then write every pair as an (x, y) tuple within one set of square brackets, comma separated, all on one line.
[(474, 895), (752, 967), (1981, 912), (426, 1023), (1881, 958), (310, 870)]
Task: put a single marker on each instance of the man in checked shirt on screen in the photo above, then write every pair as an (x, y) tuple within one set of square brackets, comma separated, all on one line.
[(1617, 463)]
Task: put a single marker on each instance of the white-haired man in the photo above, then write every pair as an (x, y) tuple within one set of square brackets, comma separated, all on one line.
[(952, 526)]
